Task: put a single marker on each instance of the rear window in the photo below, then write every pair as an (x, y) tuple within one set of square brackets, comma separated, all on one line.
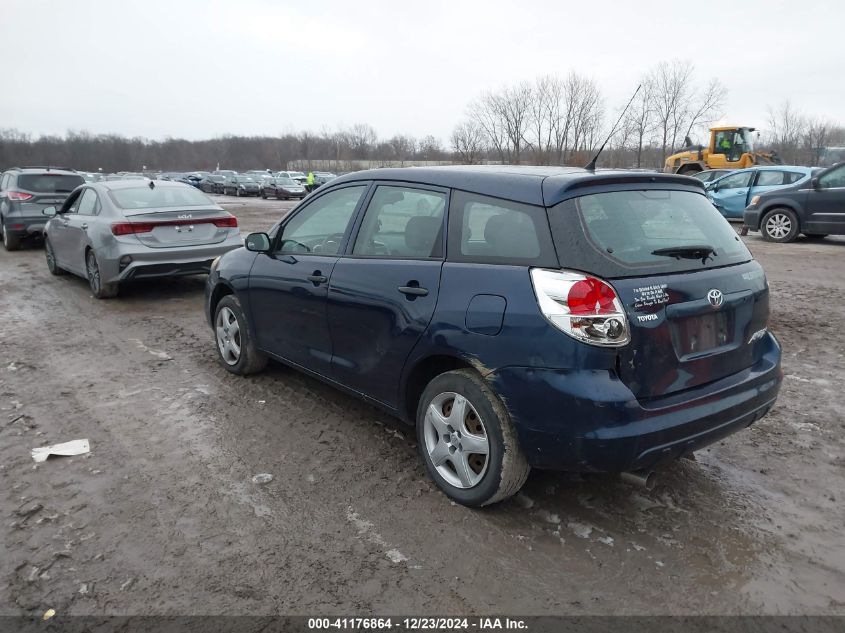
[(49, 183), (624, 229), (159, 197)]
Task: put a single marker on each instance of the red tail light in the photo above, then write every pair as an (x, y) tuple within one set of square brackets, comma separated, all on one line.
[(591, 296), (135, 228), (583, 307), (130, 228), (19, 195), (230, 222)]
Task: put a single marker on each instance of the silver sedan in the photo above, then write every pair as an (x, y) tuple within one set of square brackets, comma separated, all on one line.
[(115, 231)]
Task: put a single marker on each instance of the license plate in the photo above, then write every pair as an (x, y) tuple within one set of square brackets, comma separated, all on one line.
[(704, 332)]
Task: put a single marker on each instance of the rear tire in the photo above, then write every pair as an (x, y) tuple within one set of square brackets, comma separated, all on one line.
[(98, 288), (11, 242), (233, 339), (457, 413), (779, 225), (50, 254)]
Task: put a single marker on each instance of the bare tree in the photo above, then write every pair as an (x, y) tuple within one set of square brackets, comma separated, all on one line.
[(468, 142), (705, 106), (671, 95), (786, 129)]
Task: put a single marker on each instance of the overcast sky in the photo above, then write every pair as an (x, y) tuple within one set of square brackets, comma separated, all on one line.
[(204, 68)]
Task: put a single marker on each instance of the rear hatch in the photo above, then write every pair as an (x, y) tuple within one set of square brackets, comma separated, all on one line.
[(36, 192), (694, 297), (182, 216)]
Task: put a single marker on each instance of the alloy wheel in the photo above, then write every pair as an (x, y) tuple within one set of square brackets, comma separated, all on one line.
[(456, 440), (93, 272), (228, 336), (778, 226)]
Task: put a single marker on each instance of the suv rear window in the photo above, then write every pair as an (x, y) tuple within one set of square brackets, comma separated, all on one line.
[(625, 228), (49, 183), (158, 197)]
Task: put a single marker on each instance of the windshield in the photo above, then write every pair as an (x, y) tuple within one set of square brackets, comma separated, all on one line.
[(49, 183), (159, 197), (631, 233), (296, 174), (244, 179), (285, 181)]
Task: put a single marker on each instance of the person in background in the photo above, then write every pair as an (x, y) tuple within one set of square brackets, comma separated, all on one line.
[(309, 182)]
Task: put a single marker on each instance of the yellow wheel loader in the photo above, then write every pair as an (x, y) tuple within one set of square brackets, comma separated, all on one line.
[(730, 148)]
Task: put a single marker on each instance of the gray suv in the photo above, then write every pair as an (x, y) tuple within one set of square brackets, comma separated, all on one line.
[(24, 193)]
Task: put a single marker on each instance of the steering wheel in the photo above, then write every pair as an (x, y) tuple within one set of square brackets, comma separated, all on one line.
[(305, 246), (332, 240)]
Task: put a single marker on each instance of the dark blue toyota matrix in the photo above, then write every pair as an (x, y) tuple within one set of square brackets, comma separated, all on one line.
[(518, 316)]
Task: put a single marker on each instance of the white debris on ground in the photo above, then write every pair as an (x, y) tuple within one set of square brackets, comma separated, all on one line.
[(158, 354), (366, 530), (66, 449), (580, 529)]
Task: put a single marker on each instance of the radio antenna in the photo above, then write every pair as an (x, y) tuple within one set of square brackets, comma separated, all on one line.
[(591, 166)]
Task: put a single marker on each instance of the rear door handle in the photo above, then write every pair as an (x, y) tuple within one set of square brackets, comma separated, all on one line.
[(413, 291), (317, 279)]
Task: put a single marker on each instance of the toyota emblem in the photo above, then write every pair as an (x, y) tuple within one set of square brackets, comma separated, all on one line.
[(715, 297)]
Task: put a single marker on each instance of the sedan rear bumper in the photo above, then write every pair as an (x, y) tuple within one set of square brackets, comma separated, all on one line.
[(124, 260)]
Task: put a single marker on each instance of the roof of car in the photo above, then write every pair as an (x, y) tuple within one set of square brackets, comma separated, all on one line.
[(44, 168), (538, 185)]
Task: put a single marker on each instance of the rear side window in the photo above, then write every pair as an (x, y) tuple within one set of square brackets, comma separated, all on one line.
[(490, 230), (159, 197), (777, 177), (49, 183), (617, 234), (736, 181), (402, 222)]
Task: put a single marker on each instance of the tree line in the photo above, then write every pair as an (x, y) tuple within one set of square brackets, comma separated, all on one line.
[(552, 120)]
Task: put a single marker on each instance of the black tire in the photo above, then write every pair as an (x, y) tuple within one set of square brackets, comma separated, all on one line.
[(504, 469), (263, 195), (10, 242), (50, 254), (815, 236), (249, 360), (780, 225), (92, 270)]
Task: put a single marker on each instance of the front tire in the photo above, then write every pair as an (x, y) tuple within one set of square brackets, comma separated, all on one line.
[(50, 254), (99, 289), (779, 225), (467, 440), (236, 350)]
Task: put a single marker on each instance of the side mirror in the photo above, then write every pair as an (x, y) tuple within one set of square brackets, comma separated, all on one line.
[(49, 211), (814, 183), (257, 242)]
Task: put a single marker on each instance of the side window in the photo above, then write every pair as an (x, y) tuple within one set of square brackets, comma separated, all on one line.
[(736, 181), (402, 222), (88, 203), (319, 227), (71, 205), (835, 178), (483, 229), (790, 177), (768, 178)]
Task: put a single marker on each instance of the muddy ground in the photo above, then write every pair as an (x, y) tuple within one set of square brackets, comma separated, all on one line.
[(162, 516)]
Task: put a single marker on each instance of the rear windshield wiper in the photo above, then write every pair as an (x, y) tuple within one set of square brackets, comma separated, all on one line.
[(698, 251)]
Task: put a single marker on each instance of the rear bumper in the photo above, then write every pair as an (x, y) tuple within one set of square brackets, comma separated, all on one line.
[(588, 421), (148, 262), (25, 226), (751, 219)]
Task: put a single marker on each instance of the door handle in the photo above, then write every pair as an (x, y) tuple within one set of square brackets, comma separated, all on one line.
[(317, 278), (413, 291)]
